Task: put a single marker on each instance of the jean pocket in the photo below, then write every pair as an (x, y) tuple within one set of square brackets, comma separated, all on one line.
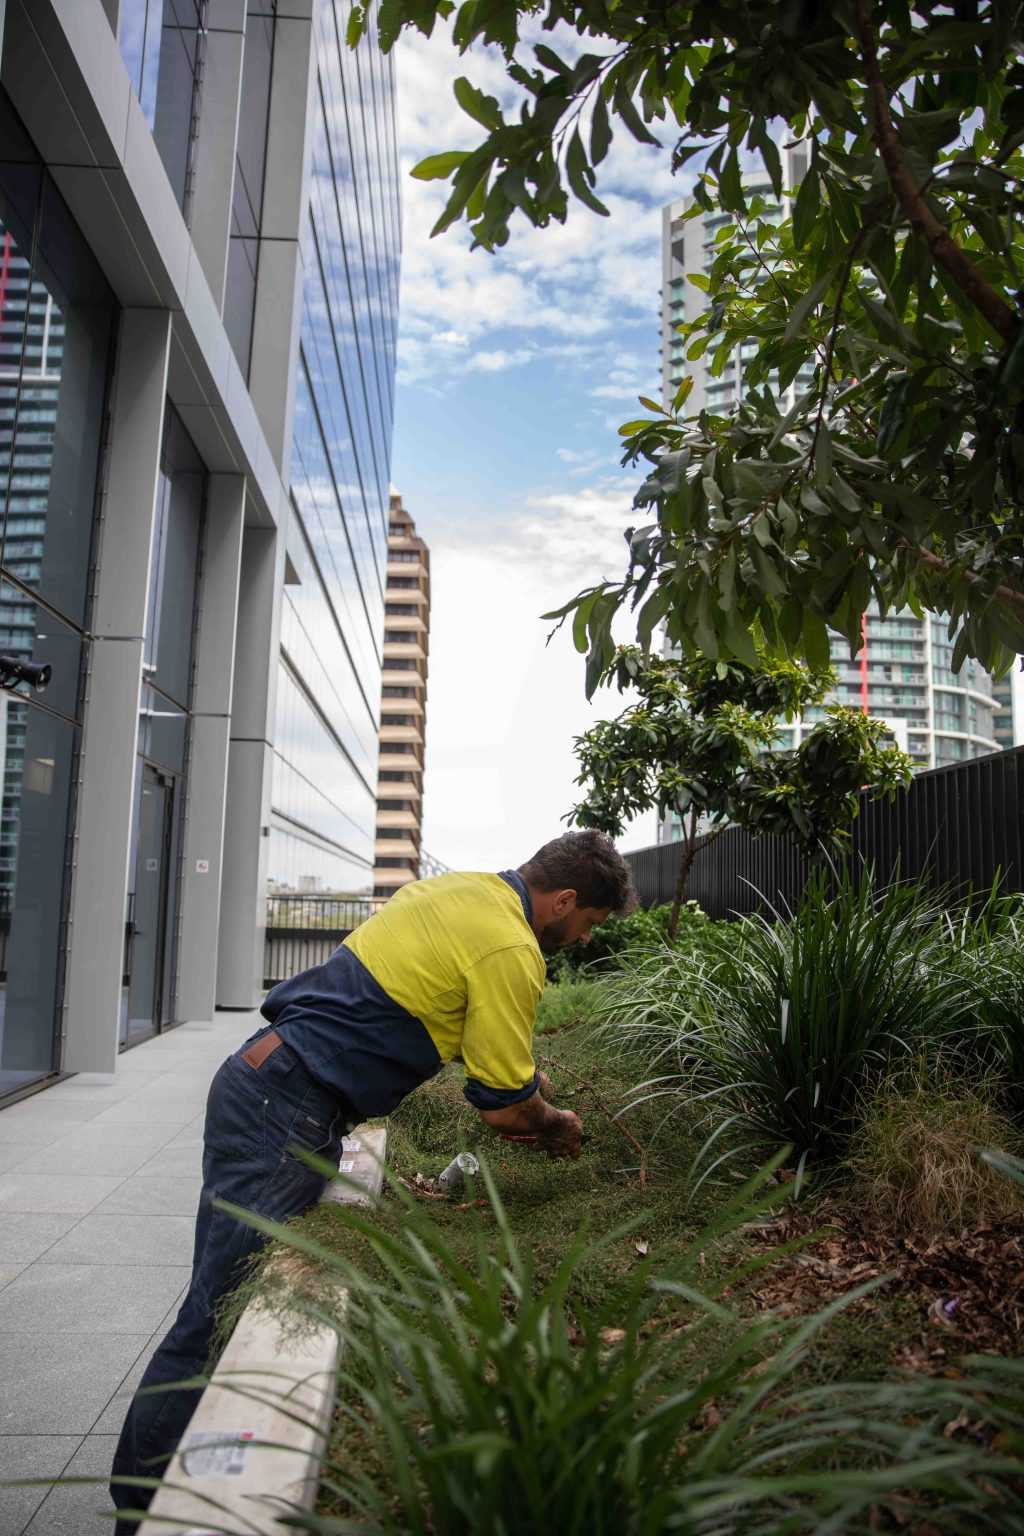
[(312, 1132)]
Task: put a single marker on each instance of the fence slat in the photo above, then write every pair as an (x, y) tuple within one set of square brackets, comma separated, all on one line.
[(955, 827)]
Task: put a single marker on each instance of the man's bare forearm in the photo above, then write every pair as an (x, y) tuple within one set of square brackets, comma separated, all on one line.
[(530, 1117), (557, 1131)]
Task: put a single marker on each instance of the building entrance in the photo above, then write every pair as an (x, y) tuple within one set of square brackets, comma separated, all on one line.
[(150, 905)]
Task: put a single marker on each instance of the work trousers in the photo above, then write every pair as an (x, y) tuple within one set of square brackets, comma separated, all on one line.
[(255, 1119)]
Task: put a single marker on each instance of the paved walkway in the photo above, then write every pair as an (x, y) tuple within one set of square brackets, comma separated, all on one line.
[(98, 1192)]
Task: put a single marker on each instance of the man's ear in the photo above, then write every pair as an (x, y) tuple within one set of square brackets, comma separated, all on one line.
[(564, 902)]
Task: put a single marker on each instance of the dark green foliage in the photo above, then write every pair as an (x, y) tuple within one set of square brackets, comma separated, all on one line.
[(700, 742), (899, 474), (645, 929), (780, 1026)]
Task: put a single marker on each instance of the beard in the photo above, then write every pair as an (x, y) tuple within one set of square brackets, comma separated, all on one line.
[(553, 936)]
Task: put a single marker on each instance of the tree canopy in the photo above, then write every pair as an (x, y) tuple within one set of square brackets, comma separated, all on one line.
[(898, 274), (701, 741)]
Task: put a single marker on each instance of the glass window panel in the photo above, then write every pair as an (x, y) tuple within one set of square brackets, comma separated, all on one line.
[(55, 425), (32, 633), (36, 757), (240, 297), (160, 42), (162, 730), (174, 567)]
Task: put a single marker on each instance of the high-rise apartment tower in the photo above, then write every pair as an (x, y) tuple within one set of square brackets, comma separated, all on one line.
[(403, 707)]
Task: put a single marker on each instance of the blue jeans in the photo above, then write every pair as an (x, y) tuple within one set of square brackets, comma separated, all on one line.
[(254, 1118)]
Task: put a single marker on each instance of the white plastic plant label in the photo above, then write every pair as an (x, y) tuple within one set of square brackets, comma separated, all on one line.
[(347, 1167), (351, 1144), (216, 1452)]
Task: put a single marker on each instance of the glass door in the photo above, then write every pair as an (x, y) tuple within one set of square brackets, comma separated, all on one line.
[(147, 922)]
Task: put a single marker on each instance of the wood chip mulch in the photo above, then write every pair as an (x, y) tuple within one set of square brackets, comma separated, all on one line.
[(970, 1288)]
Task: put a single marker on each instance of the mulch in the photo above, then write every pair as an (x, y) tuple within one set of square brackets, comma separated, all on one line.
[(969, 1288)]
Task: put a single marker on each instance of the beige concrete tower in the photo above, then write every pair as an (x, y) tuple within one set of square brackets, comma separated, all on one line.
[(403, 707)]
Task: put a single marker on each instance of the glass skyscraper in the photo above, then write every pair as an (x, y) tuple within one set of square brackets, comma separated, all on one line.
[(324, 799), (199, 259)]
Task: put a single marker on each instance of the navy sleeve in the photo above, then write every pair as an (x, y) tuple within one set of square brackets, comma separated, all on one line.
[(482, 1097)]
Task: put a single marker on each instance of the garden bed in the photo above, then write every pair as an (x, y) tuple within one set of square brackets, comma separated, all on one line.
[(906, 1324)]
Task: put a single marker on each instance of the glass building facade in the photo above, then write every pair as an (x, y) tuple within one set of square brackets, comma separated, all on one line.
[(325, 766), (194, 488), (56, 333)]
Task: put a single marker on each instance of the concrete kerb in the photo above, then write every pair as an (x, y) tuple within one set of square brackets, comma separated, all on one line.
[(254, 1446)]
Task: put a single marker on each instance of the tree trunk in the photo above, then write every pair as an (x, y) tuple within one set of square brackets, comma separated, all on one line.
[(687, 854)]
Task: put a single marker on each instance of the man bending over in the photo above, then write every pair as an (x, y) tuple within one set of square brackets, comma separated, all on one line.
[(450, 969)]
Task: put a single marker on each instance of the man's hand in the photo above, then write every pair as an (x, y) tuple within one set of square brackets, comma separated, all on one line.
[(558, 1131), (564, 1138)]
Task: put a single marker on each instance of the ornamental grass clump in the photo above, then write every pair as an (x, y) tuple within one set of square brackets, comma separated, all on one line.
[(914, 1155), (783, 1023)]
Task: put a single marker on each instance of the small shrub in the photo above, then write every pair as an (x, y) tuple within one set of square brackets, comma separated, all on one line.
[(915, 1159), (642, 930)]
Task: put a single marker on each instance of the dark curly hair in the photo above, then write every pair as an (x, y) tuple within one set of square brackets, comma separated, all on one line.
[(587, 863)]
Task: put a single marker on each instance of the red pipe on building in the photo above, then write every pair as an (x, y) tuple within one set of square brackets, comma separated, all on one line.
[(864, 663)]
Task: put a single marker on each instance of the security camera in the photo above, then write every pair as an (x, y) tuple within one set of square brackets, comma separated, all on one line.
[(20, 669)]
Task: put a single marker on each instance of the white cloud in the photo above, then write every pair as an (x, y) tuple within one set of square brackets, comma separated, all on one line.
[(535, 284), (497, 362), (452, 339), (503, 705)]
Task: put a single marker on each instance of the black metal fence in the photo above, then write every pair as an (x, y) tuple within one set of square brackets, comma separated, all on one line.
[(954, 827), (303, 931)]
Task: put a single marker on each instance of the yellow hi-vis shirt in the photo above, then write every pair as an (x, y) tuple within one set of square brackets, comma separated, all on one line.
[(448, 968)]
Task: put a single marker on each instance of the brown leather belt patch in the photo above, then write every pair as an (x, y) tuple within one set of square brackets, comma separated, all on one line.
[(260, 1049)]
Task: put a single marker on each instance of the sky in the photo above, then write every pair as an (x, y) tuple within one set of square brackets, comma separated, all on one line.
[(515, 371)]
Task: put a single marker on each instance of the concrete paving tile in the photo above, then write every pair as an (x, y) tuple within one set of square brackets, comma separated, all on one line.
[(74, 1154), (40, 1109), (90, 1298), (131, 1112), (80, 1509), (190, 1136), (185, 1160), (25, 1134), (132, 1064), (26, 1235), (175, 1093), (9, 1272), (154, 1195), (12, 1153), (56, 1386), (53, 1193), (113, 1415), (100, 1094), (29, 1456), (119, 1239)]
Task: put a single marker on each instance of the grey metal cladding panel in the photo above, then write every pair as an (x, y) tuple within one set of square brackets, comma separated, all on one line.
[(160, 229), (207, 340), (226, 16), (64, 73), (89, 195)]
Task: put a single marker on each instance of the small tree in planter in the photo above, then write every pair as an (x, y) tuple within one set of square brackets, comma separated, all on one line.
[(701, 741)]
